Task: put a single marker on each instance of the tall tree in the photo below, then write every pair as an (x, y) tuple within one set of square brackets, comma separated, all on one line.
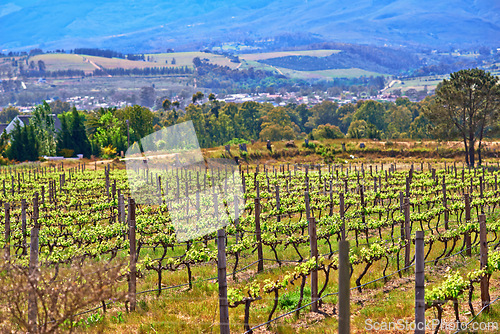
[(81, 143), (58, 107), (43, 122), (469, 100), (8, 114), (323, 113), (276, 125), (64, 140), (23, 143), (140, 121), (372, 112)]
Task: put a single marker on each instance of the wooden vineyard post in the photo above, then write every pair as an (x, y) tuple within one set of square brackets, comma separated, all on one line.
[(445, 205), (313, 241), (33, 269), (221, 272), (344, 288), (106, 172), (278, 218), (485, 284), (407, 232), (260, 265), (419, 284), (221, 276), (408, 181), (481, 185), (23, 225), (236, 212), (133, 257), (341, 212), (7, 232), (468, 241), (307, 202), (331, 198)]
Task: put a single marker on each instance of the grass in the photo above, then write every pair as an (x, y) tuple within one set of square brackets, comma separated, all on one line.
[(124, 63), (186, 58), (62, 61)]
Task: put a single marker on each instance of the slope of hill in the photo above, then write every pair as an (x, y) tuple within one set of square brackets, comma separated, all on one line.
[(151, 25)]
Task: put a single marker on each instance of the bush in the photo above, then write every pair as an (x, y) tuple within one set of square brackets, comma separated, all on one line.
[(66, 152), (108, 152), (236, 141)]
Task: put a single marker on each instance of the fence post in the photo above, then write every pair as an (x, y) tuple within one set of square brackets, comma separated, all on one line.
[(278, 202), (445, 205), (260, 265), (407, 231), (341, 200), (313, 241), (33, 269), (221, 276), (419, 284), (344, 288), (23, 225), (133, 257), (485, 284), (307, 203), (468, 241), (7, 232)]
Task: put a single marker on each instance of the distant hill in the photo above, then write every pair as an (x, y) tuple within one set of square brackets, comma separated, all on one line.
[(148, 25)]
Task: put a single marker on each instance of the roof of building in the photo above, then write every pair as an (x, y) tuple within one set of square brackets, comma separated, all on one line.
[(25, 119)]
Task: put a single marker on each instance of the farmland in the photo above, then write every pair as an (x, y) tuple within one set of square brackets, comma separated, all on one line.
[(84, 216)]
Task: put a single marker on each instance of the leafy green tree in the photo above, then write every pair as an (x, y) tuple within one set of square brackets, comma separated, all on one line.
[(198, 96), (249, 119), (93, 122), (357, 129), (140, 121), (327, 131), (110, 133), (166, 104), (24, 145), (81, 143), (58, 107), (372, 112), (276, 125), (323, 113), (345, 114), (419, 128), (304, 114), (470, 102), (398, 120), (64, 140), (43, 123), (8, 114)]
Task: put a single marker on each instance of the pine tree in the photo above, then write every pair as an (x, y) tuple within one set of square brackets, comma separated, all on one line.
[(64, 138), (23, 143), (81, 143)]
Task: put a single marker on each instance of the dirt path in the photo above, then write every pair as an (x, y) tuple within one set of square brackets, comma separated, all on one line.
[(95, 65)]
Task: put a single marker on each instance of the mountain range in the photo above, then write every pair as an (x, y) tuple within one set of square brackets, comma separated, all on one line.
[(151, 26)]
